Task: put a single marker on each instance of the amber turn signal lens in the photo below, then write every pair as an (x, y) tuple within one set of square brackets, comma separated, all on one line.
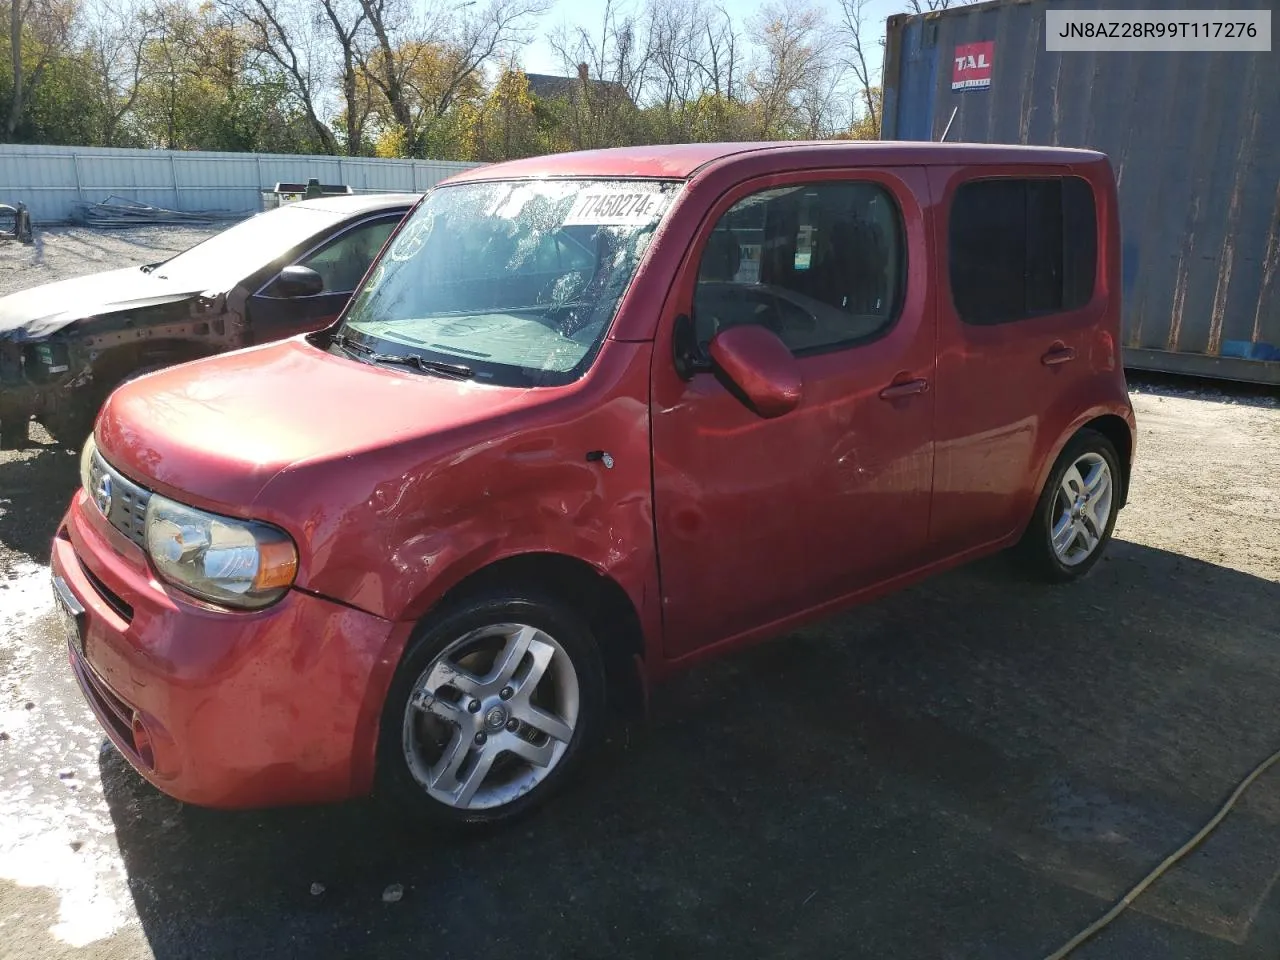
[(277, 565)]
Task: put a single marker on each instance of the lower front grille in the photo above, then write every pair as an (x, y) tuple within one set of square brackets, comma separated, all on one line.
[(123, 610), (114, 710)]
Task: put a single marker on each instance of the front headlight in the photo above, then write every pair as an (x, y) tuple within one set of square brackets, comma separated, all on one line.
[(238, 563), (86, 460)]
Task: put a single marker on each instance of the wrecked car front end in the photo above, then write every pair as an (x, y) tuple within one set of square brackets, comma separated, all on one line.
[(34, 376), (58, 368)]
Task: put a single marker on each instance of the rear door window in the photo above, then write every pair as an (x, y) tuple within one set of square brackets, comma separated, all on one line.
[(1022, 248)]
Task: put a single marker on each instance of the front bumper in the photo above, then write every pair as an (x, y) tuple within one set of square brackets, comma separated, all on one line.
[(219, 708)]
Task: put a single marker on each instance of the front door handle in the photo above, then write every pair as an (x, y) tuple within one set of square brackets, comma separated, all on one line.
[(908, 388), (1058, 354)]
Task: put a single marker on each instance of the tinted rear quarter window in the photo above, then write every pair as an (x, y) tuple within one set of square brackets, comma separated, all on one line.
[(1022, 248)]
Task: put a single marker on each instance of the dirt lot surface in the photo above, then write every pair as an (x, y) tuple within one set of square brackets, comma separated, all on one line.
[(60, 253), (974, 768)]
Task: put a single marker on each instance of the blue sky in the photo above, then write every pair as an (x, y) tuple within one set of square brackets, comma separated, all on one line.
[(538, 57)]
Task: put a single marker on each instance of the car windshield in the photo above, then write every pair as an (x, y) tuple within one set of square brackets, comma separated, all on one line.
[(517, 281), (235, 253)]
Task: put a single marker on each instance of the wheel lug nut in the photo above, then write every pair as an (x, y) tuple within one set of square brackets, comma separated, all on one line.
[(474, 706), (507, 693), (480, 739), (513, 724)]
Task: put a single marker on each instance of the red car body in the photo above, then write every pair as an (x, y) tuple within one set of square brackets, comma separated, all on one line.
[(713, 526)]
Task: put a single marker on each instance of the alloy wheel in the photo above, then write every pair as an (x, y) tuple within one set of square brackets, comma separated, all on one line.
[(491, 716), (1081, 509)]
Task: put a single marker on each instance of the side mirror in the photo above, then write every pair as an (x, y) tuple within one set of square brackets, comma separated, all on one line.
[(760, 367), (298, 281)]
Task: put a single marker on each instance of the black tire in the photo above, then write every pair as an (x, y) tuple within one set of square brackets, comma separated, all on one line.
[(1036, 548), (70, 426), (13, 432), (396, 781)]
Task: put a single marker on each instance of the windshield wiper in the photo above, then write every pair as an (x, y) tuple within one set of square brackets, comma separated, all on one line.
[(342, 340), (455, 370)]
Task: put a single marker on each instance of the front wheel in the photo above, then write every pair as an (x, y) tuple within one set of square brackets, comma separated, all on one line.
[(1077, 510), (493, 706)]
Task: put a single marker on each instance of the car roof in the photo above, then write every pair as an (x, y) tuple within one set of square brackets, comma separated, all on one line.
[(357, 203), (680, 161)]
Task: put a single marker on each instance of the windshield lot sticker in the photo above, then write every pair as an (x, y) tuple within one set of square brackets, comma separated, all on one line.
[(616, 208)]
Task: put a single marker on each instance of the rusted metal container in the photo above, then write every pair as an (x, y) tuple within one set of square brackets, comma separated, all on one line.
[(1194, 139)]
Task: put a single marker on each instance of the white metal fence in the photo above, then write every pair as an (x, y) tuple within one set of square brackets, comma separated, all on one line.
[(52, 180)]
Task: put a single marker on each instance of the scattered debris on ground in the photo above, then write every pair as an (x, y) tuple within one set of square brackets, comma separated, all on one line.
[(115, 212)]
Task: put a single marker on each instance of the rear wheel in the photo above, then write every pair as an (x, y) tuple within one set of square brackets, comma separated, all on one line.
[(1077, 509), (492, 708)]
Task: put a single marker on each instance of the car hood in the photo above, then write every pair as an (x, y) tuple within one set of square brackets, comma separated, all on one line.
[(40, 311), (214, 432)]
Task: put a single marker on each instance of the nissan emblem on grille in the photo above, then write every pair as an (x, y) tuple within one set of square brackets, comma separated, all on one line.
[(122, 501), (102, 494)]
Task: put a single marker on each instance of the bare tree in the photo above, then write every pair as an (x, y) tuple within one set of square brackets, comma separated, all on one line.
[(421, 64), (389, 62), (281, 33), (348, 22), (611, 68), (693, 53), (853, 17), (933, 6), (818, 113), (793, 72), (114, 41), (723, 61), (675, 41), (43, 27)]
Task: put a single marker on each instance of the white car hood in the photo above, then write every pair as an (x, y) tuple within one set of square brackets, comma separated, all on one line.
[(39, 311)]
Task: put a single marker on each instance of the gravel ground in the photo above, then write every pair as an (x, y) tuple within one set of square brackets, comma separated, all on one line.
[(60, 253), (975, 767)]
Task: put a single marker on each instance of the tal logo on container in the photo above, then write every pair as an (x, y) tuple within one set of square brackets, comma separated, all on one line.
[(971, 66)]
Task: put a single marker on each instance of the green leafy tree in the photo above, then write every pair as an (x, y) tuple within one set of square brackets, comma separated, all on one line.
[(506, 124), (39, 35)]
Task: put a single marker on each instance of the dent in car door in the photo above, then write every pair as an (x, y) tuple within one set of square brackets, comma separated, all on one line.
[(341, 260), (756, 519)]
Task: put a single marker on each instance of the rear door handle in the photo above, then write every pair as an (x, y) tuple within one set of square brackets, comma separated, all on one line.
[(1057, 355), (908, 388)]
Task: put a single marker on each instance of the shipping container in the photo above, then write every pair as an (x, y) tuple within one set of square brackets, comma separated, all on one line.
[(1193, 137)]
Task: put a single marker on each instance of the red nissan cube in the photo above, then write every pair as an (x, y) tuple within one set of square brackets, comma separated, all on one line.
[(589, 419)]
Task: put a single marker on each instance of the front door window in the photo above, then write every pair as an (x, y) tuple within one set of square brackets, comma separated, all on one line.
[(819, 265)]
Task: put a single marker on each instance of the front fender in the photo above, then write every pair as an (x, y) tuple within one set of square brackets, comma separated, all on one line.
[(391, 530)]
